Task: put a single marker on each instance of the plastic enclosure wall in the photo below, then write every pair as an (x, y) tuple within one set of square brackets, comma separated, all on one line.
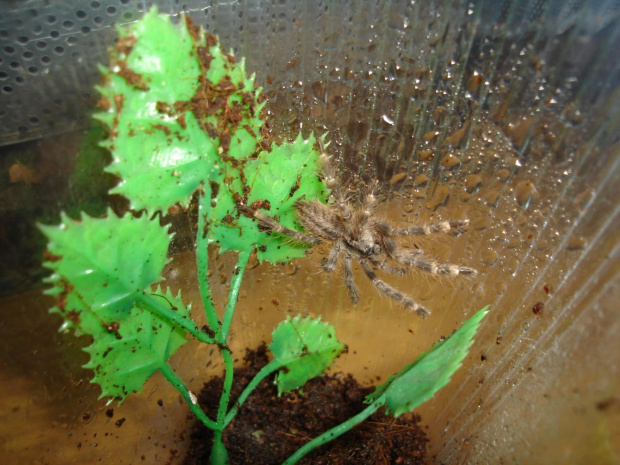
[(503, 113)]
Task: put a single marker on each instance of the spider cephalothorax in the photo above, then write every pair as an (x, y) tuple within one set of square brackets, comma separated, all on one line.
[(355, 232)]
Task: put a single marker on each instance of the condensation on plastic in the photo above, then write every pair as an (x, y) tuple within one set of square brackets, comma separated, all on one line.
[(504, 113)]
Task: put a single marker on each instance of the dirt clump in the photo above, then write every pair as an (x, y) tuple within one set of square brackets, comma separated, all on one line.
[(268, 428)]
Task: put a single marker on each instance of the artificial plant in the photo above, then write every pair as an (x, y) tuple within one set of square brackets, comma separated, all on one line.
[(185, 125)]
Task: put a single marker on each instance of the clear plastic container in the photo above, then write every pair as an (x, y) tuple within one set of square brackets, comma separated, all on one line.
[(505, 113)]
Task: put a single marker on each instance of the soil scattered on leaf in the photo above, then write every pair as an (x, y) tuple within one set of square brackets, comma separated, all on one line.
[(268, 428)]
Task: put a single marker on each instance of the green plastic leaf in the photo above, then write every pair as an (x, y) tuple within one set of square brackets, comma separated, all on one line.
[(175, 105), (103, 264), (306, 347), (419, 381), (77, 316), (183, 114), (124, 359), (103, 269), (273, 182)]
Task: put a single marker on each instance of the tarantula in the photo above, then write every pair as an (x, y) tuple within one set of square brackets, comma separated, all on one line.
[(355, 232)]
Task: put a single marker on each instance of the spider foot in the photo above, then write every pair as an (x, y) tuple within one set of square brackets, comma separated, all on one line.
[(455, 270), (413, 306)]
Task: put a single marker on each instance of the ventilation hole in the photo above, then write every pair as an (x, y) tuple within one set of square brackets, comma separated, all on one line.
[(80, 14), (23, 40), (33, 70), (7, 89), (41, 45), (54, 34), (34, 120), (37, 29), (85, 30), (111, 10), (95, 5), (14, 65), (50, 19), (28, 55), (72, 40), (3, 75), (128, 15), (9, 50), (59, 50), (125, 2), (76, 55), (46, 60), (19, 79), (98, 20), (68, 24)]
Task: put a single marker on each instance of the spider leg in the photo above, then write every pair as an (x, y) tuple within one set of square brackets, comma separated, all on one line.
[(388, 268), (392, 293), (272, 224), (348, 278), (369, 201), (431, 266), (425, 229), (330, 263), (333, 183), (454, 270)]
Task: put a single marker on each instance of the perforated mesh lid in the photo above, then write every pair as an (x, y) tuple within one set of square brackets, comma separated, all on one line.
[(49, 51), (503, 112)]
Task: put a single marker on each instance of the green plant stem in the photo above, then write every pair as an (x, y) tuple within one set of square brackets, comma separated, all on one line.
[(161, 308), (219, 454), (190, 399), (222, 335), (202, 259), (228, 380), (262, 374), (336, 431), (233, 294)]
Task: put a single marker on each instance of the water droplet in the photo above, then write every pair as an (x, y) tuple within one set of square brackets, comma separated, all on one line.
[(503, 174), (528, 237), (472, 182), (291, 269), (524, 191), (387, 120), (491, 198), (397, 177), (420, 180), (450, 161), (430, 135), (576, 243), (500, 288), (489, 257)]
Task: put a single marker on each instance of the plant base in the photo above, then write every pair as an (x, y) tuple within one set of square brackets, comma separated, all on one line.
[(268, 428)]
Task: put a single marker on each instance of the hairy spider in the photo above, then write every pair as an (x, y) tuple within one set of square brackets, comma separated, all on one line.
[(355, 232)]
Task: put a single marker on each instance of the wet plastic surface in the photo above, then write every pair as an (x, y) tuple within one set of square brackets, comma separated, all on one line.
[(512, 124)]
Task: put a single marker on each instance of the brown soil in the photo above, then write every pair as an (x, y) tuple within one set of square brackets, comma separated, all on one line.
[(268, 428)]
